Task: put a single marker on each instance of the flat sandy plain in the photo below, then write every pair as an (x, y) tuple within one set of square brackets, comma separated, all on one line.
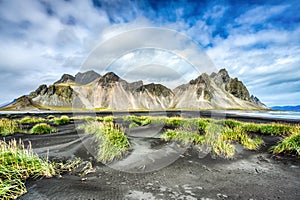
[(251, 175)]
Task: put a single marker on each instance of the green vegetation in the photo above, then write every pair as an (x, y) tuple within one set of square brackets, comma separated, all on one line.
[(42, 128), (50, 117), (290, 144), (18, 164), (133, 125), (8, 127), (219, 138), (64, 119), (268, 129), (174, 121), (237, 135), (138, 120), (108, 119), (113, 143), (183, 136), (31, 120)]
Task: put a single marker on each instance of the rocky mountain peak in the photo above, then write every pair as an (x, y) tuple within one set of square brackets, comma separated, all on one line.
[(109, 79), (222, 77), (42, 89), (237, 89), (202, 79), (155, 89), (66, 78), (86, 77)]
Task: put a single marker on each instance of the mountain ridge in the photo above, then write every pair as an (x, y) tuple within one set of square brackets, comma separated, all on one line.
[(91, 90)]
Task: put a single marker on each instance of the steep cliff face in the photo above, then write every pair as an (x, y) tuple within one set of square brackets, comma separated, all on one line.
[(54, 95), (90, 90), (110, 91), (215, 91), (86, 77)]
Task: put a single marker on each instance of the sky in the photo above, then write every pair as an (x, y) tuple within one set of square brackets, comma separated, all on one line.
[(257, 41)]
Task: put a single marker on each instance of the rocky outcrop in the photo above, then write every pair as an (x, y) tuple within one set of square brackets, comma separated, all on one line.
[(155, 89), (86, 77), (66, 78), (215, 91), (55, 95)]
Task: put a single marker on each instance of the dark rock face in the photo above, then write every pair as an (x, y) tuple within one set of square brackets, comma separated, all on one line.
[(233, 86), (86, 77), (155, 89), (256, 101), (109, 79), (222, 77), (66, 78), (133, 86), (237, 89), (42, 89)]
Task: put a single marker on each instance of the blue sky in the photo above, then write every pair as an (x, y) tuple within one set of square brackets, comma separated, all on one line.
[(256, 41)]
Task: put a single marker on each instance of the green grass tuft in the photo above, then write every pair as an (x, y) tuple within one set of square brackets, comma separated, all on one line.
[(133, 125), (174, 121), (31, 120), (42, 128), (18, 164), (290, 144), (8, 127), (64, 119), (182, 136), (237, 135), (139, 120), (268, 129), (113, 143), (108, 119)]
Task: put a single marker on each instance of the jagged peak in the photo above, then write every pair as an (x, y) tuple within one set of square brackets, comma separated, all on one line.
[(86, 77), (87, 72), (65, 78), (223, 71), (156, 89), (109, 78), (203, 78)]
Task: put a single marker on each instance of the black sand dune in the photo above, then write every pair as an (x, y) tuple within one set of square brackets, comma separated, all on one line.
[(188, 174)]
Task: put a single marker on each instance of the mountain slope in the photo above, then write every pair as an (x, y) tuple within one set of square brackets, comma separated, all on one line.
[(90, 90)]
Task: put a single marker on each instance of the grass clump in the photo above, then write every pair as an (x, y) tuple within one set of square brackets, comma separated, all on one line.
[(108, 119), (50, 117), (31, 120), (232, 123), (113, 143), (133, 125), (64, 119), (8, 127), (174, 121), (237, 135), (42, 128), (213, 138), (182, 136), (138, 120), (268, 129), (18, 164), (290, 144)]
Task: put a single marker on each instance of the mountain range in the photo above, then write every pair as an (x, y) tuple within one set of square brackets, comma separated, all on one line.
[(286, 108), (90, 90)]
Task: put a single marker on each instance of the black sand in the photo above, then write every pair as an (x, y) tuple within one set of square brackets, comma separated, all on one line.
[(251, 175)]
